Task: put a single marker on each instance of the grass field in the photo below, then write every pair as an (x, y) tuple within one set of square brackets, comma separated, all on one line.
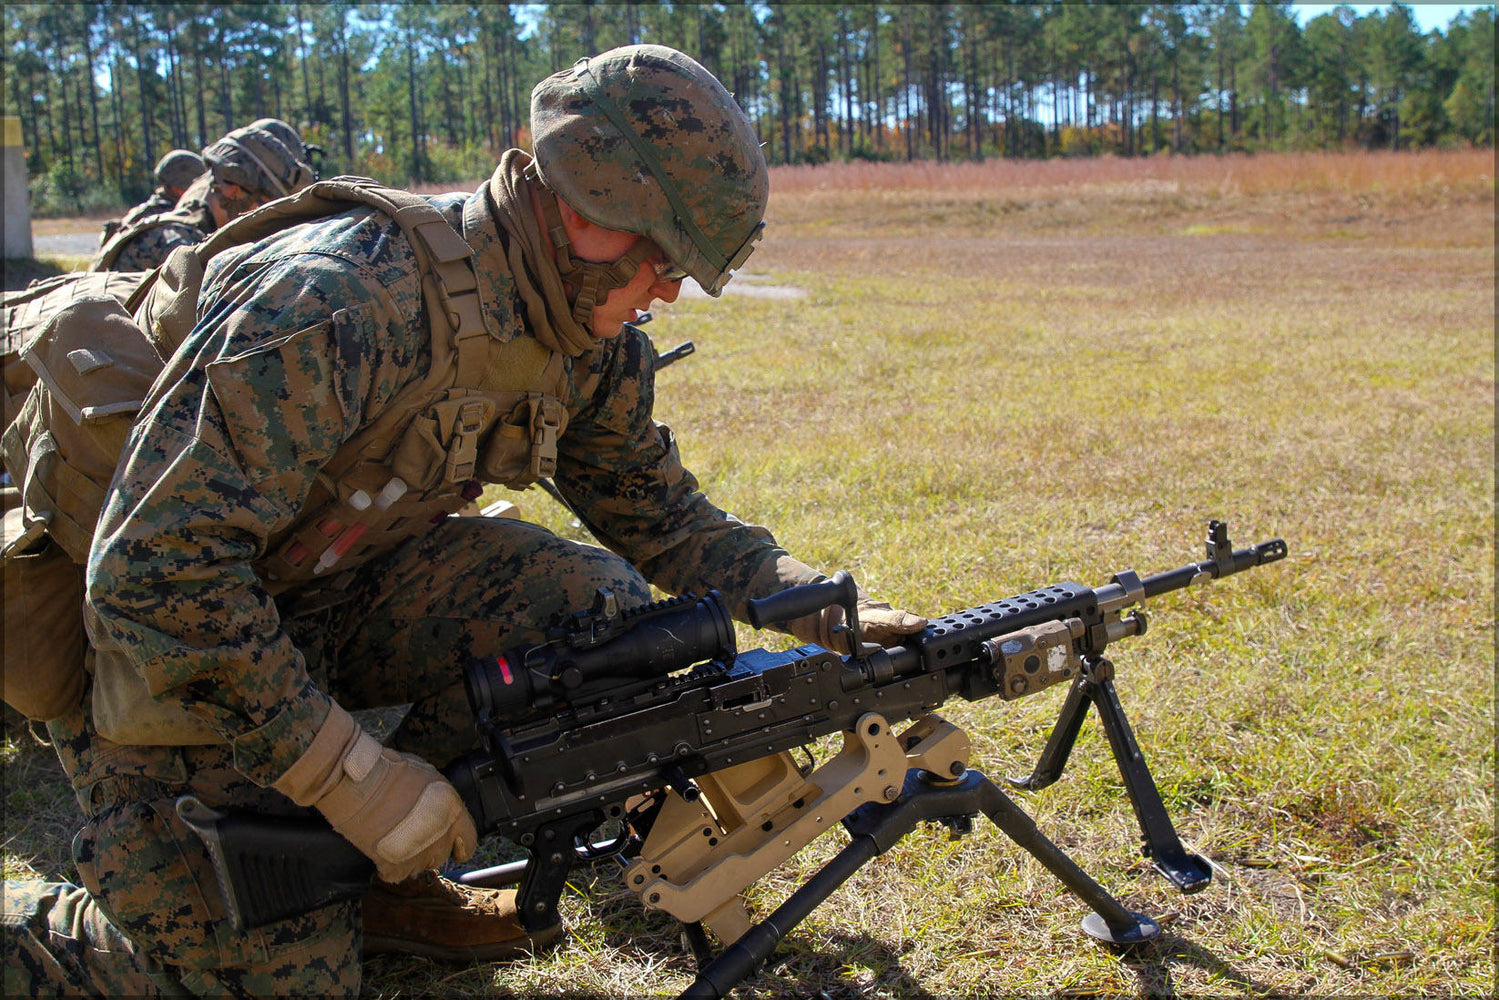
[(992, 378)]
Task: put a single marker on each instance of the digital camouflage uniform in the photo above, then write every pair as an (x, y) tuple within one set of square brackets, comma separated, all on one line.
[(154, 205), (159, 236), (302, 340)]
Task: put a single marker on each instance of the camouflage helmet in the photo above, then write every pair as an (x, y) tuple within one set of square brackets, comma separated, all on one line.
[(179, 168), (265, 161), (642, 139), (289, 136)]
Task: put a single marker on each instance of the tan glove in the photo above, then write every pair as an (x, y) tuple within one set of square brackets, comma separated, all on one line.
[(878, 623), (395, 807)]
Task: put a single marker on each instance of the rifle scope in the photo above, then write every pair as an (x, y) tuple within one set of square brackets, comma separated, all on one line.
[(651, 642)]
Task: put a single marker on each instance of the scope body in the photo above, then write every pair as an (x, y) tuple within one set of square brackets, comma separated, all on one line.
[(607, 748)]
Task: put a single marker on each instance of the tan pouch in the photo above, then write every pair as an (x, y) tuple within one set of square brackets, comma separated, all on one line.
[(441, 447), (125, 711), (522, 448), (94, 368), (168, 308), (44, 640)]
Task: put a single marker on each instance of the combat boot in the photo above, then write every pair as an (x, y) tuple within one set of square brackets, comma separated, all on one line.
[(438, 918)]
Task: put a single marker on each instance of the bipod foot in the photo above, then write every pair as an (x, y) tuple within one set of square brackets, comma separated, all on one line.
[(1187, 871), (1139, 931)]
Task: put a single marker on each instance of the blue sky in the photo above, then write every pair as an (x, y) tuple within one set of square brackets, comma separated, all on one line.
[(1428, 15)]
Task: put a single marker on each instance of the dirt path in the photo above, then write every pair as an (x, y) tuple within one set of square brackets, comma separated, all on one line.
[(68, 243)]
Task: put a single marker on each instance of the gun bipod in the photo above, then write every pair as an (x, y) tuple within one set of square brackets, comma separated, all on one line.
[(876, 827), (1094, 685)]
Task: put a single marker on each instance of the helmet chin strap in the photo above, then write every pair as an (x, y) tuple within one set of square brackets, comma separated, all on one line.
[(588, 281)]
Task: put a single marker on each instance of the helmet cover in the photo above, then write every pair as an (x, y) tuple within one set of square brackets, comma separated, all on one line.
[(179, 168), (260, 161), (642, 139)]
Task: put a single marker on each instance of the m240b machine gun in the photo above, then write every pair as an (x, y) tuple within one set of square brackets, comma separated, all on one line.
[(652, 723)]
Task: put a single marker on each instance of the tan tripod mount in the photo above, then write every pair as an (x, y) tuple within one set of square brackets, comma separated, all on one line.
[(750, 818)]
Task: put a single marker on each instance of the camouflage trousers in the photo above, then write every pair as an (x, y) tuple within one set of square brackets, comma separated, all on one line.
[(148, 919)]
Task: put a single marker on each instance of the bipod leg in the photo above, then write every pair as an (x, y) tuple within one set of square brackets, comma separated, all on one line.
[(1063, 736), (1188, 872)]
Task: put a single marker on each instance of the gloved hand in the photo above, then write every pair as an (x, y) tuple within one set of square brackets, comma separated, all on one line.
[(878, 623), (395, 807)]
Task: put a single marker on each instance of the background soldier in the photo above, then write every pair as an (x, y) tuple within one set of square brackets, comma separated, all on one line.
[(248, 167), (175, 172), (277, 549)]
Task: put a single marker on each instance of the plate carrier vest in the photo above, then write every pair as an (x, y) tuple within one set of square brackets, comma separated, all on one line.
[(488, 410)]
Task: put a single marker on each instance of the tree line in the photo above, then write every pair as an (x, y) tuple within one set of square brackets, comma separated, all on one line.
[(431, 92)]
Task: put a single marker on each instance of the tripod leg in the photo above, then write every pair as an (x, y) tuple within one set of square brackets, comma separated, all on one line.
[(697, 939), (739, 960), (1109, 921)]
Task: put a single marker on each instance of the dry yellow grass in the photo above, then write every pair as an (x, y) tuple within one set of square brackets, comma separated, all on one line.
[(1220, 175)]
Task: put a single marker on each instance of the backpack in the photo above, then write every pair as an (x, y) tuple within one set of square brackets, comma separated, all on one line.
[(83, 351), (65, 395)]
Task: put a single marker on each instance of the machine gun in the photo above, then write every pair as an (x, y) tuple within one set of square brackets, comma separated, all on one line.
[(653, 723)]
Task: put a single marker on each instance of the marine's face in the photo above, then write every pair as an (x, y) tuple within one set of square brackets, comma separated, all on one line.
[(228, 201), (655, 279)]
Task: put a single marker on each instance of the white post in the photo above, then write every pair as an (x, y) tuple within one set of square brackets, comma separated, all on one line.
[(17, 239)]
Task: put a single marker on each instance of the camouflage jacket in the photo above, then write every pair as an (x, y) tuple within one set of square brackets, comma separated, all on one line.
[(157, 204), (154, 237), (313, 332)]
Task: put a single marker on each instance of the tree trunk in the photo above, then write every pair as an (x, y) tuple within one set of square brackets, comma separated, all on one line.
[(119, 112), (1155, 112), (200, 85), (486, 84), (1176, 106), (147, 120), (875, 98), (845, 80), (416, 136), (303, 59), (226, 87), (345, 104), (908, 119), (176, 105)]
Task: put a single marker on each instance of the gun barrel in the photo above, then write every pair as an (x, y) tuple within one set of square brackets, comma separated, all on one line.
[(675, 354), (1211, 569)]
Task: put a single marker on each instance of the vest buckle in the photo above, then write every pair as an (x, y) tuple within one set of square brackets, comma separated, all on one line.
[(463, 442), (547, 417)]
